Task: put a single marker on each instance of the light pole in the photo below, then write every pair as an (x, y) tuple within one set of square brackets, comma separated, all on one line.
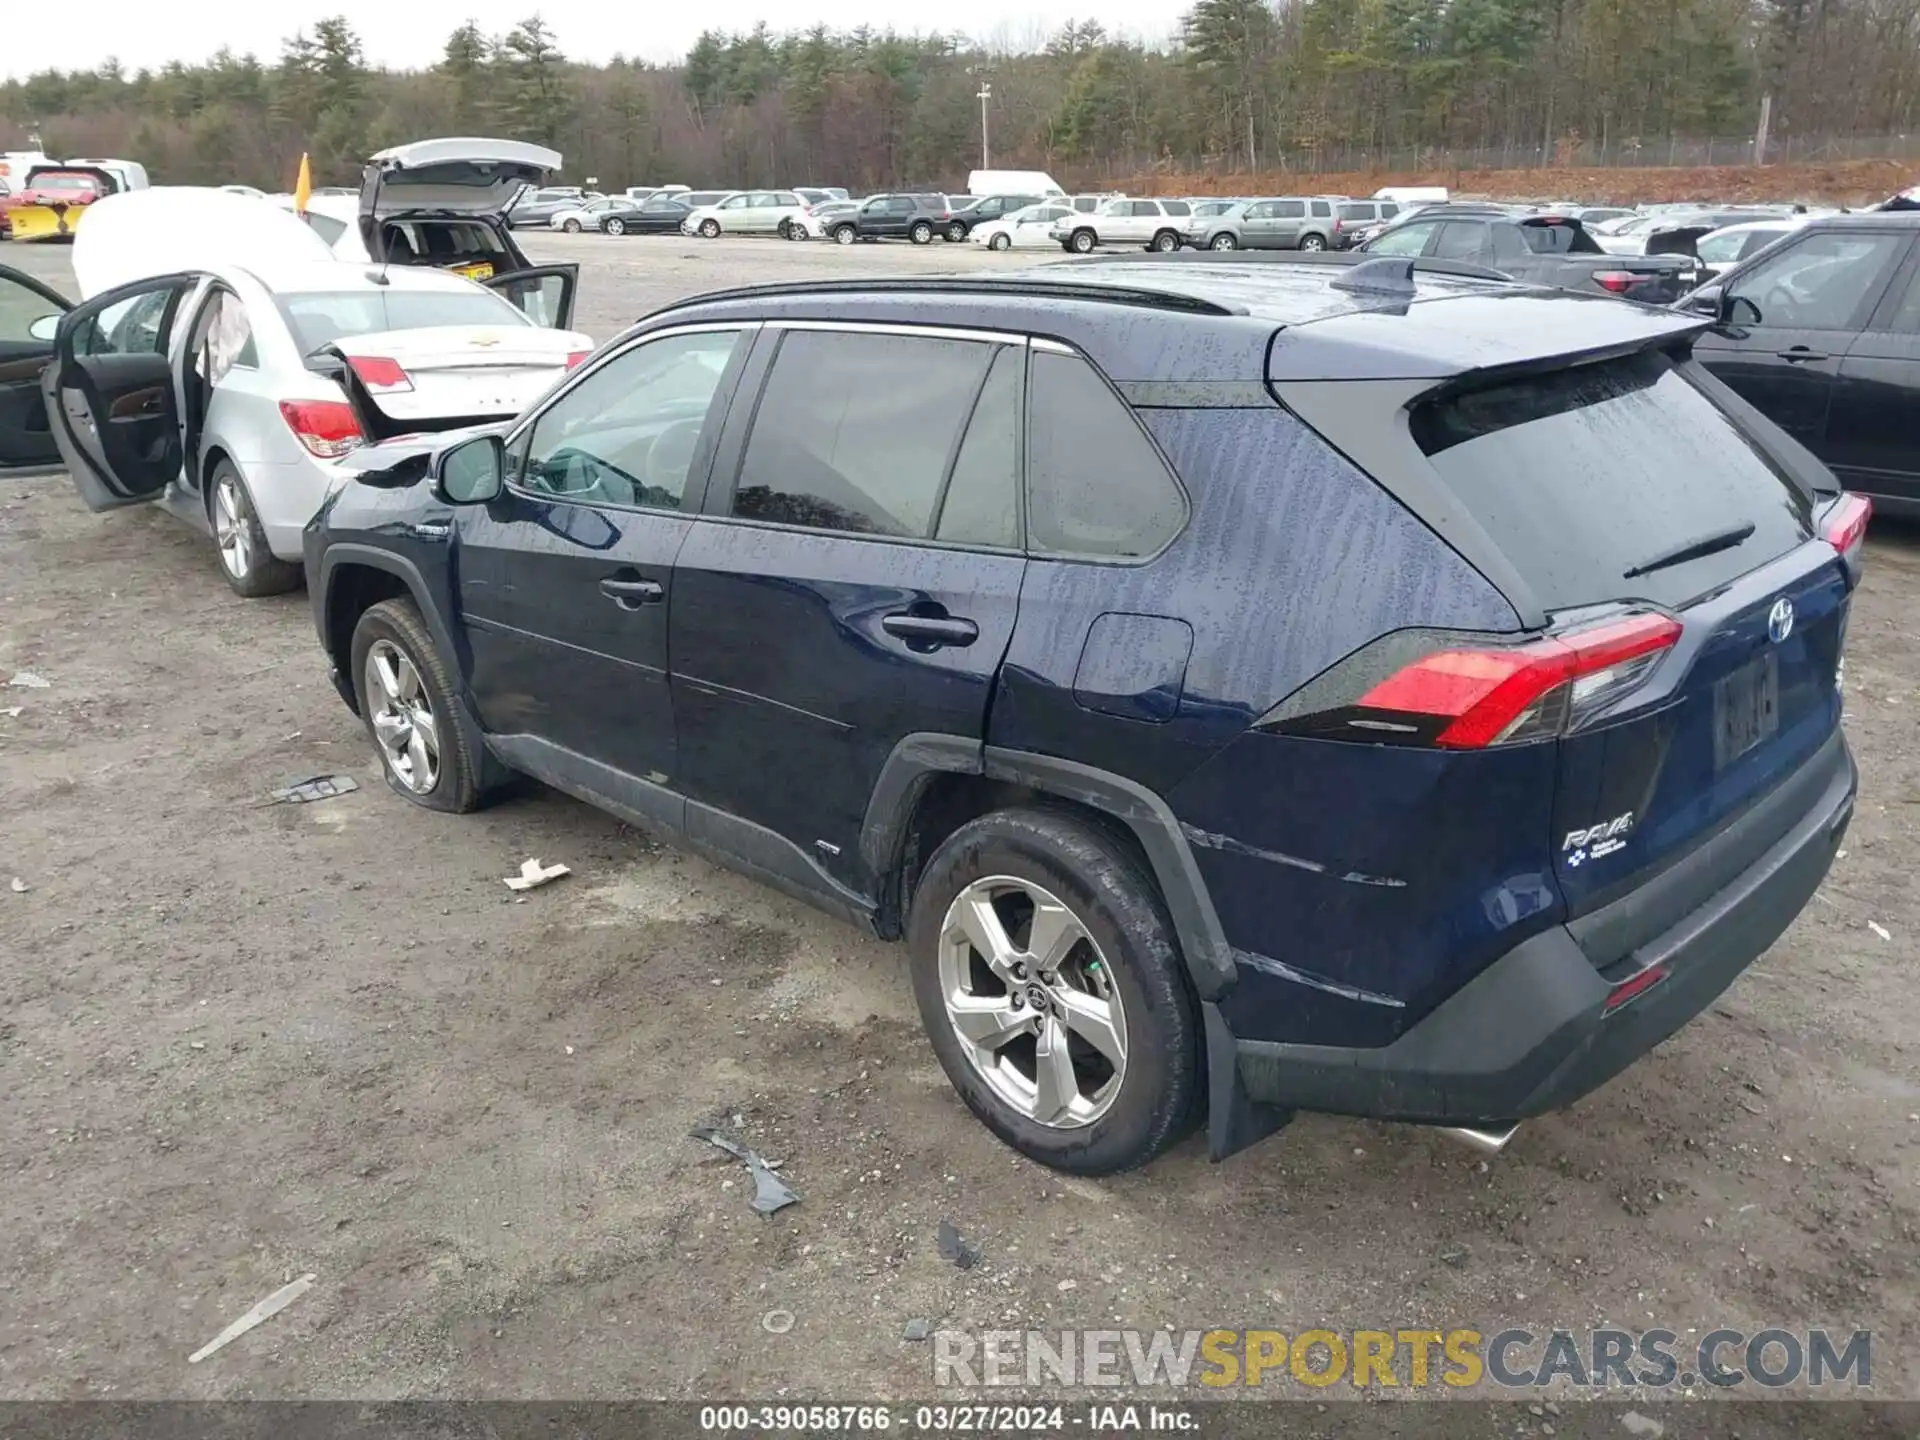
[(986, 92)]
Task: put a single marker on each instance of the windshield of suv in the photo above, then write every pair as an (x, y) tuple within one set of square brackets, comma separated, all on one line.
[(319, 317), (1579, 474)]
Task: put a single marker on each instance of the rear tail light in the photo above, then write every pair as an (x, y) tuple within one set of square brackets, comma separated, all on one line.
[(1633, 986), (379, 374), (1616, 281), (327, 428), (1426, 688), (577, 358), (1845, 525)]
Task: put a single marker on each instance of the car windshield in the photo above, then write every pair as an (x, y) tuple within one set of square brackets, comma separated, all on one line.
[(319, 317)]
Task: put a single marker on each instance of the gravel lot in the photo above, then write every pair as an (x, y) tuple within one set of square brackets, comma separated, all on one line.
[(239, 1043)]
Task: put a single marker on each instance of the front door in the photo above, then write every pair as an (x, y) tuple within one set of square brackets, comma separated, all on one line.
[(29, 319), (112, 393), (1873, 438), (855, 581), (1793, 313), (566, 578), (543, 294)]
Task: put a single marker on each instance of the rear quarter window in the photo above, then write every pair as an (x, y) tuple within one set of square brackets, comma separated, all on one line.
[(1584, 474), (1096, 486)]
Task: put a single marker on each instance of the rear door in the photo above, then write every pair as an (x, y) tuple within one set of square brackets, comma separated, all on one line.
[(1289, 216), (566, 580), (543, 293), (30, 316), (1873, 438), (1618, 487), (1470, 240), (1800, 307), (855, 580), (112, 392)]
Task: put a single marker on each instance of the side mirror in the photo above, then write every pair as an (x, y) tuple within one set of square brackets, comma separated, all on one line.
[(45, 328), (1705, 300), (471, 472), (1738, 310)]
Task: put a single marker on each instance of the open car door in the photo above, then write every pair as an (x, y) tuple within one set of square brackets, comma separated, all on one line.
[(30, 316), (111, 395), (543, 294)]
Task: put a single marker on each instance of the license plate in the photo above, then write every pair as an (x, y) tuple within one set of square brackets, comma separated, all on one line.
[(481, 271), (1746, 708)]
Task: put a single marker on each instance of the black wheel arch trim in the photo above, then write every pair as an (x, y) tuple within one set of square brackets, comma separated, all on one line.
[(917, 758)]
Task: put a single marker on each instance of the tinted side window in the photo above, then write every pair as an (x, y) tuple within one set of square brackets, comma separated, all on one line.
[(1905, 317), (1262, 211), (1291, 209), (854, 431), (629, 433), (1177, 207), (982, 501), (1409, 239), (1461, 240), (1095, 484), (1820, 282), (1322, 209)]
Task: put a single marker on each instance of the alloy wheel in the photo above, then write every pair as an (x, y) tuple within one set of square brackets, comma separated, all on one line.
[(616, 227), (404, 724), (232, 527), (1032, 1001)]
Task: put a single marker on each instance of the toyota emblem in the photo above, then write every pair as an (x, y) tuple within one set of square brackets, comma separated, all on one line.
[(1780, 620)]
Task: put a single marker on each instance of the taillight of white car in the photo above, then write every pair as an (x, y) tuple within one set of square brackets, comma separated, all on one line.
[(326, 429)]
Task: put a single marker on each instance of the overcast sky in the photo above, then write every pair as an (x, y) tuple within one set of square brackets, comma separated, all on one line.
[(39, 34)]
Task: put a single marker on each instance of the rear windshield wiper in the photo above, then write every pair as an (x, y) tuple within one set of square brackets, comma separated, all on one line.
[(1693, 550)]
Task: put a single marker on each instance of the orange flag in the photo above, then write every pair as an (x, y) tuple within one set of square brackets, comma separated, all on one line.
[(303, 187)]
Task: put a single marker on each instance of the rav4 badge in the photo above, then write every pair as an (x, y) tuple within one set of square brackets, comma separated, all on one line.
[(1596, 842)]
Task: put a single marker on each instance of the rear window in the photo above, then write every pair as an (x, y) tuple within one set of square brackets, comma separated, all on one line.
[(1584, 474), (1351, 213), (319, 317), (1561, 239)]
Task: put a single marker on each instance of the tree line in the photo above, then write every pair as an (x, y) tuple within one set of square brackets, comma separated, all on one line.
[(1246, 85)]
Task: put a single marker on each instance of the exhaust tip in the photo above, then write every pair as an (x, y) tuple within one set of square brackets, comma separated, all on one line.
[(1485, 1141)]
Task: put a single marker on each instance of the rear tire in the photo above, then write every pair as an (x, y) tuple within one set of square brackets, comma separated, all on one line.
[(1123, 966), (921, 233), (1002, 241), (419, 703), (1312, 243), (252, 570), (1166, 242)]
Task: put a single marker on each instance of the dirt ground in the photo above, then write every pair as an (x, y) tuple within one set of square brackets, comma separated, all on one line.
[(240, 1043)]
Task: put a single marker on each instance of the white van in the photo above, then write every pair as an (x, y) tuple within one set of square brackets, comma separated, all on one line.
[(1013, 182), (1405, 195)]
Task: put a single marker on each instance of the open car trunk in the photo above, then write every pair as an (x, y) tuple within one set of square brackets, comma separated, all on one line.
[(458, 176), (405, 382)]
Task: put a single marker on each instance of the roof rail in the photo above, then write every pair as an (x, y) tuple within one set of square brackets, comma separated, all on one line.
[(1144, 295)]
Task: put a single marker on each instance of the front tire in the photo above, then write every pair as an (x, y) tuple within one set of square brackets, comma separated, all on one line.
[(406, 701), (1053, 991), (845, 235), (1001, 241), (615, 226), (1081, 242), (252, 570), (1224, 242), (572, 227), (921, 233), (956, 232), (710, 229)]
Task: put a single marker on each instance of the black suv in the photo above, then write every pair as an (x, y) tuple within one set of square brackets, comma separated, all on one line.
[(1821, 333), (1246, 687), (895, 217), (979, 212)]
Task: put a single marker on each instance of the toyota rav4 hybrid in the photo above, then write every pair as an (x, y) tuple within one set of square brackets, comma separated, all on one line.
[(1246, 688)]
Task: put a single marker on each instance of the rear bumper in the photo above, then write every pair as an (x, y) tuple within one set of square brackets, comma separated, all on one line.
[(1532, 1033)]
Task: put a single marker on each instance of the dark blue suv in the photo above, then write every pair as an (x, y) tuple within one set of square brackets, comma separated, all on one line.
[(1245, 687)]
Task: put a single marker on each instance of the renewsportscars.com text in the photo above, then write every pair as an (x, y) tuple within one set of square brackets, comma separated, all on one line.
[(1457, 1359)]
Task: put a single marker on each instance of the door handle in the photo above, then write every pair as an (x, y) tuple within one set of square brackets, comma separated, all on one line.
[(632, 594), (1800, 352), (930, 630)]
